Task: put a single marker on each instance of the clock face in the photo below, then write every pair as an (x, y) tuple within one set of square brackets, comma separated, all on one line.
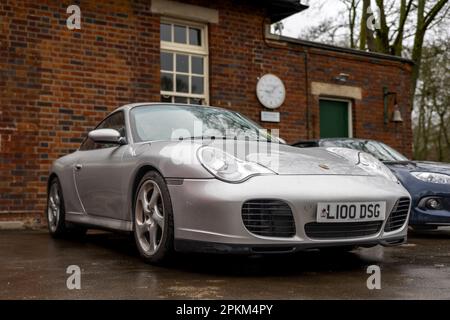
[(270, 91)]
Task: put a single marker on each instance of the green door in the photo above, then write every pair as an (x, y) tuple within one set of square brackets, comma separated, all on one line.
[(333, 119)]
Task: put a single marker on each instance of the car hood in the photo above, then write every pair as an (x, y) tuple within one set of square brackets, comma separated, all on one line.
[(423, 166), (286, 160), (179, 158)]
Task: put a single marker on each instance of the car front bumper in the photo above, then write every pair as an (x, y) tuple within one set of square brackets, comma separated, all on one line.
[(422, 216), (208, 212)]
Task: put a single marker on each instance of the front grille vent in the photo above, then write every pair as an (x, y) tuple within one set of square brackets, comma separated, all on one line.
[(269, 218), (315, 230), (398, 215)]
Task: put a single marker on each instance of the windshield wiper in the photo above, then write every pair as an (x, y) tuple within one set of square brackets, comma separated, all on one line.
[(236, 138), (203, 138)]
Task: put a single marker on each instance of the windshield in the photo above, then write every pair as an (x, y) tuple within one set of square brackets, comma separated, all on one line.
[(172, 122), (379, 150)]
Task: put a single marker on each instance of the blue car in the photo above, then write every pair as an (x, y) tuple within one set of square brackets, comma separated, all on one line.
[(427, 182)]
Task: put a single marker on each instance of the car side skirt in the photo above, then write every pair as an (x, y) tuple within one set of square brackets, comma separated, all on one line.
[(99, 222)]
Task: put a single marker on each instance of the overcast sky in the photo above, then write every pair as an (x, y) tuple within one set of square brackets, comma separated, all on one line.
[(318, 11)]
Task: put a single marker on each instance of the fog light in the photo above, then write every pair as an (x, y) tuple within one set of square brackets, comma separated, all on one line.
[(434, 204)]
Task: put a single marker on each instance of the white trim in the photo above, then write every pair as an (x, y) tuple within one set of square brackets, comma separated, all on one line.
[(183, 10), (349, 112), (190, 50), (203, 49)]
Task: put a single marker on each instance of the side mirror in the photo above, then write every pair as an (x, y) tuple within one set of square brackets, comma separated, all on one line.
[(106, 136)]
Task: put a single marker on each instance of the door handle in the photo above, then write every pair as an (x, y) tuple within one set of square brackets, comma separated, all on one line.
[(78, 166)]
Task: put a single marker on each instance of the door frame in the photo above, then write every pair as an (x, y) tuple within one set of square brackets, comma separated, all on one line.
[(349, 112)]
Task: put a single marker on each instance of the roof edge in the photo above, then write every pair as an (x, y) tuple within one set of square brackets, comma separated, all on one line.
[(281, 9), (318, 45)]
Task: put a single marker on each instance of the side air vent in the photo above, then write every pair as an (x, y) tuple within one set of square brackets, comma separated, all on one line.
[(398, 215), (269, 218)]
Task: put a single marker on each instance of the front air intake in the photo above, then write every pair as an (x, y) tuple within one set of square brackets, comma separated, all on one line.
[(315, 230), (398, 215), (268, 218)]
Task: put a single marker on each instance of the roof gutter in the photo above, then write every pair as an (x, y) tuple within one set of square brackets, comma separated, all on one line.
[(317, 45), (281, 9)]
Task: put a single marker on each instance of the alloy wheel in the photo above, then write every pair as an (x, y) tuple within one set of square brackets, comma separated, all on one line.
[(54, 207), (149, 217)]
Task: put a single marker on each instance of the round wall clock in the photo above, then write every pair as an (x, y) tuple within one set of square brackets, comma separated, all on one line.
[(270, 91)]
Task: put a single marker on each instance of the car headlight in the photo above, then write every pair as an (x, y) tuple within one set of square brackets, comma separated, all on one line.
[(366, 162), (226, 167), (432, 177)]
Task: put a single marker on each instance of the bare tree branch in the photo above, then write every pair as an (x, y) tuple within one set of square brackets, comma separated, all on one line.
[(404, 12), (433, 12)]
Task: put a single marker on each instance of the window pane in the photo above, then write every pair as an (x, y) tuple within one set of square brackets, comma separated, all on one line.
[(166, 32), (182, 63), (116, 121), (195, 38), (197, 65), (180, 34), (197, 85), (166, 81), (182, 83), (167, 61), (166, 99), (181, 100)]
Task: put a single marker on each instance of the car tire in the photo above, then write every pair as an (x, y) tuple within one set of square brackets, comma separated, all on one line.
[(56, 213), (153, 219)]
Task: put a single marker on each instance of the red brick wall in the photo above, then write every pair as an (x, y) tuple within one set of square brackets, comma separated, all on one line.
[(368, 114), (56, 84)]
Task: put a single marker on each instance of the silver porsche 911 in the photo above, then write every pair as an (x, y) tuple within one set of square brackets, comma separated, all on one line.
[(194, 178)]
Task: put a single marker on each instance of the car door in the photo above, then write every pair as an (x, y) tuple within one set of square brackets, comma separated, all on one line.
[(99, 175)]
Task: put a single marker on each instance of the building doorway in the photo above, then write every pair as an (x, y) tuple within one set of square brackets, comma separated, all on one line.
[(335, 118)]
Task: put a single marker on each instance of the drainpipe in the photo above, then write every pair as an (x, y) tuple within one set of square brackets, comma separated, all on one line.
[(267, 35), (308, 109)]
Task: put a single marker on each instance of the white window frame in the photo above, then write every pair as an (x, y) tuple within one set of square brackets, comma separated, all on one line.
[(349, 112), (190, 50)]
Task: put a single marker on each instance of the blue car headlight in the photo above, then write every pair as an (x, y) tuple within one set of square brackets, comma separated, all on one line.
[(226, 167), (432, 177)]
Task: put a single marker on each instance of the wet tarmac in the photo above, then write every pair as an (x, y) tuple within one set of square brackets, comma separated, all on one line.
[(33, 266)]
